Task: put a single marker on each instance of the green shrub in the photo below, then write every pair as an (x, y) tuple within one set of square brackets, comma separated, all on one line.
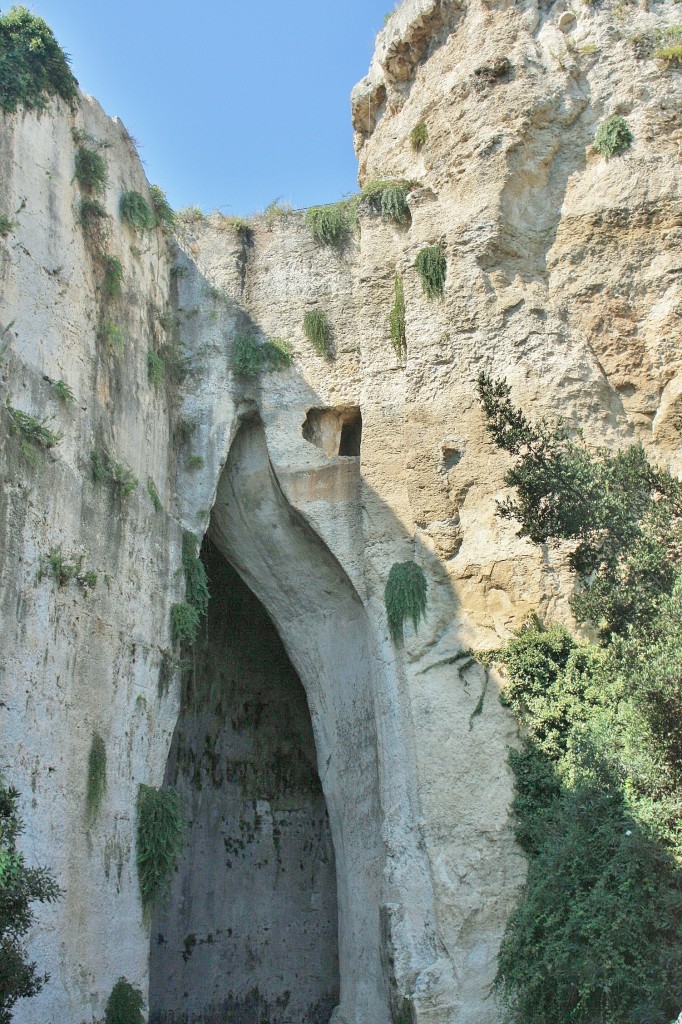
[(125, 1004), (334, 223), (107, 470), (249, 357), (670, 55), (397, 320), (92, 216), (191, 215), (431, 266), (7, 226), (63, 391), (196, 580), (163, 211), (419, 136), (63, 569), (405, 597), (613, 137), (136, 211), (112, 285), (35, 435), (160, 832), (91, 170), (389, 198), (154, 495), (185, 621), (97, 775), (20, 886), (195, 462), (33, 66), (112, 336), (156, 369), (318, 331)]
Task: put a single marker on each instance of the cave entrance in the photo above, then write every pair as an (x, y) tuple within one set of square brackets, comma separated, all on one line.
[(248, 931)]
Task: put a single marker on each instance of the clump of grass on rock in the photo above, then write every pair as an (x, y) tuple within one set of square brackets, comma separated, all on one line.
[(317, 330), (431, 266), (613, 137), (405, 597)]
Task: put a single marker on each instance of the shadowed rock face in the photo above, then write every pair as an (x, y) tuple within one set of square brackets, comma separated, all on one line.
[(248, 930)]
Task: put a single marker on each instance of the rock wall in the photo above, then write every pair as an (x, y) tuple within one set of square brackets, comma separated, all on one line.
[(562, 276)]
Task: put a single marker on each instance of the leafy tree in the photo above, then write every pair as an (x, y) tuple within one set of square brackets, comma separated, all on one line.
[(624, 515), (596, 937), (19, 887)]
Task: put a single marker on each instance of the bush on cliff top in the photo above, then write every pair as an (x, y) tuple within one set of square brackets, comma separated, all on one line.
[(33, 66)]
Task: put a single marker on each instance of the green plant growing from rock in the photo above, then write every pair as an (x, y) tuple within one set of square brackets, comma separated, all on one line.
[(250, 357), (108, 470), (405, 597), (63, 569), (156, 369), (125, 1004), (112, 284), (91, 170), (63, 391), (431, 266), (317, 330), (33, 67), (388, 198), (111, 335), (154, 495), (196, 580), (97, 775), (185, 622), (613, 137), (397, 320), (332, 224), (161, 829), (163, 211), (195, 462), (7, 225), (136, 211), (35, 435), (20, 886), (419, 136)]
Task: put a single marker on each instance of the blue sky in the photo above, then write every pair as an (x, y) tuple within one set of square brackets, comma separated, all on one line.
[(234, 104)]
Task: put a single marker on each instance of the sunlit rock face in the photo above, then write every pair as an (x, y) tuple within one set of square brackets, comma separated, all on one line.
[(312, 481)]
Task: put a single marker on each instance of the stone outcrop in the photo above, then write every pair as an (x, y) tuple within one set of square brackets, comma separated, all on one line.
[(563, 275)]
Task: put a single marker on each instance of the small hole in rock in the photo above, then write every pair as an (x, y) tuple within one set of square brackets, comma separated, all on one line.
[(451, 456), (337, 431)]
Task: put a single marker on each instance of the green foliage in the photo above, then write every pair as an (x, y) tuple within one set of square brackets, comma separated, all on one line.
[(405, 597), (7, 226), (623, 514), (125, 1004), (613, 137), (112, 285), (332, 224), (670, 55), (163, 211), (64, 569), (318, 331), (389, 198), (136, 211), (107, 470), (20, 886), (195, 462), (397, 320), (191, 215), (111, 335), (185, 621), (419, 136), (196, 580), (160, 832), (154, 495), (431, 266), (97, 775), (35, 434), (156, 369), (91, 170), (277, 212), (599, 924), (33, 66), (249, 356), (63, 391), (92, 216)]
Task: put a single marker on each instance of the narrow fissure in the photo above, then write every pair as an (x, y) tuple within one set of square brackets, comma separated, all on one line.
[(248, 929)]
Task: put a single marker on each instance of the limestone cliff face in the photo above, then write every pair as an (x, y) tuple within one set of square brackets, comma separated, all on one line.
[(563, 275)]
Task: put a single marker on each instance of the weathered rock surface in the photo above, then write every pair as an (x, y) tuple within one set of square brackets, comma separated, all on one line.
[(563, 275)]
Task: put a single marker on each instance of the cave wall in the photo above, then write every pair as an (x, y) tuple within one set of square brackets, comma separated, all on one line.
[(249, 927)]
